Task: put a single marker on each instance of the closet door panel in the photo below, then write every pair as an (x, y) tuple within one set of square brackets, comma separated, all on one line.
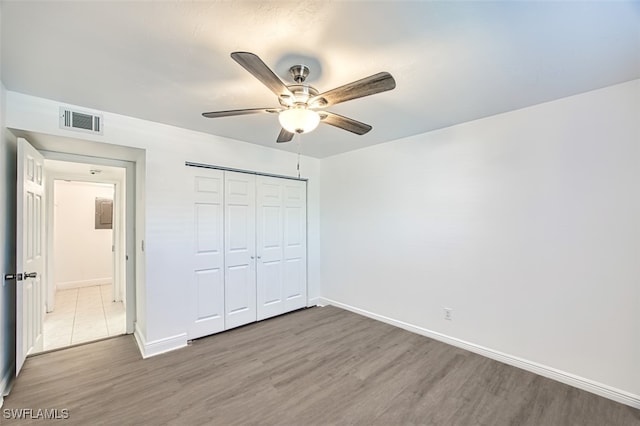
[(281, 245), (209, 297), (271, 275), (206, 287), (295, 245), (269, 241), (240, 235), (239, 280)]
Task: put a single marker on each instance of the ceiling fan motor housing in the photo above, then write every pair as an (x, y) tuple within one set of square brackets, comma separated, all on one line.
[(299, 73), (301, 95)]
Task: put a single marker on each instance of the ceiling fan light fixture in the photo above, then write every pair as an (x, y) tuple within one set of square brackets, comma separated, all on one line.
[(298, 101), (299, 120)]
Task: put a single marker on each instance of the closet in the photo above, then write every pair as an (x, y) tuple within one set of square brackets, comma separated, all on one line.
[(249, 248)]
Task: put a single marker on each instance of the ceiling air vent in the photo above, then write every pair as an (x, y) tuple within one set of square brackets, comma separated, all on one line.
[(81, 121)]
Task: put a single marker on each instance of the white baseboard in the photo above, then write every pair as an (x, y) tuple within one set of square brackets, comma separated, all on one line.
[(160, 346), (588, 385), (5, 384), (66, 285), (313, 302)]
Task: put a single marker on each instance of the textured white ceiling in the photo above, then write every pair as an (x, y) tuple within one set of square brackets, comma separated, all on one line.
[(453, 61)]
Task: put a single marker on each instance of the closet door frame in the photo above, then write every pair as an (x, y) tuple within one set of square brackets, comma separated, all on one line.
[(215, 304)]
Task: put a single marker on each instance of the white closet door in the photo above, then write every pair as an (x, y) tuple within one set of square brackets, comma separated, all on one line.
[(240, 242), (270, 244), (281, 243), (295, 245), (207, 286)]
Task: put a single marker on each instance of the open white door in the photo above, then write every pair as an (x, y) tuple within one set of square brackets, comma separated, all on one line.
[(30, 292)]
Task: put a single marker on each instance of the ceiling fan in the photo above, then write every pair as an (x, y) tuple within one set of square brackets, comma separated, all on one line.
[(299, 101)]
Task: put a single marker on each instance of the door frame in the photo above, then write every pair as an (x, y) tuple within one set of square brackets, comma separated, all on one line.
[(124, 247)]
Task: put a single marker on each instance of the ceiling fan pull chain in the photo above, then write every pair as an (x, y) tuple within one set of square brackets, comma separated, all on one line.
[(299, 136)]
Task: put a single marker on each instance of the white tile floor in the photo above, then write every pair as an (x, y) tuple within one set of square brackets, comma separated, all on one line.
[(81, 315)]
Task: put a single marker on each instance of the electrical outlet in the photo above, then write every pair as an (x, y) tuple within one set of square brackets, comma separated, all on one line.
[(448, 314)]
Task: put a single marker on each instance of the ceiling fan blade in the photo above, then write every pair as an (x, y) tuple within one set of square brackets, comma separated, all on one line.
[(367, 86), (345, 123), (262, 72), (216, 114), (284, 136)]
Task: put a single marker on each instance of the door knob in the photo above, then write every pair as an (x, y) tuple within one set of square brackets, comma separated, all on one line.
[(30, 274)]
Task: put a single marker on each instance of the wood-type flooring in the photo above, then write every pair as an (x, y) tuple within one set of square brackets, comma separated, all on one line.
[(318, 366)]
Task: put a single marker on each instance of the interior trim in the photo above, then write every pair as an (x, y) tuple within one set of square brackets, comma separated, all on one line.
[(6, 382), (588, 385), (160, 346), (250, 172)]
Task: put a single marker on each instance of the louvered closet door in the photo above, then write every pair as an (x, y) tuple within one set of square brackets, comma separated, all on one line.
[(240, 240), (281, 244), (207, 285)]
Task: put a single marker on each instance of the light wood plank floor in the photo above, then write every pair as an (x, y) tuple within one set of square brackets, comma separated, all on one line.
[(317, 366)]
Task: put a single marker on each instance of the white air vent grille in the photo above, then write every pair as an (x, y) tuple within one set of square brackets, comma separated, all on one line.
[(81, 121)]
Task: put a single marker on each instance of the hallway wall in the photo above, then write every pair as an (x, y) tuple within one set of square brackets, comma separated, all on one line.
[(83, 255), (7, 248), (8, 238)]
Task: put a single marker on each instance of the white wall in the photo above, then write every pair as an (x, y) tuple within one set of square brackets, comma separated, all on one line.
[(7, 242), (82, 254), (165, 211), (526, 224), (7, 248)]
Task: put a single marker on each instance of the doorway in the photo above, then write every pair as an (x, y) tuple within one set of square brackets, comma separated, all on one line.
[(35, 293), (86, 294), (84, 305)]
